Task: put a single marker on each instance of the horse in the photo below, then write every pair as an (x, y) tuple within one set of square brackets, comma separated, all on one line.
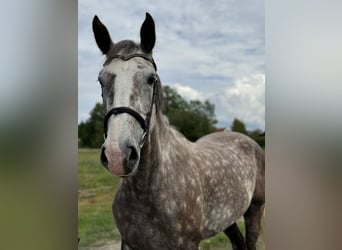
[(173, 193)]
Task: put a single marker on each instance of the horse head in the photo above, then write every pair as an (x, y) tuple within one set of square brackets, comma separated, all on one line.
[(129, 85)]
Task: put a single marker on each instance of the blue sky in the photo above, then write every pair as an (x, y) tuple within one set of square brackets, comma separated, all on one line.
[(211, 50)]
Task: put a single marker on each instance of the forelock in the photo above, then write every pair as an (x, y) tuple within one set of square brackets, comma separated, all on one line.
[(124, 47)]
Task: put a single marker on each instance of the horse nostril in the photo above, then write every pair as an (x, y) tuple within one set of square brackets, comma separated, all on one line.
[(103, 158), (132, 156)]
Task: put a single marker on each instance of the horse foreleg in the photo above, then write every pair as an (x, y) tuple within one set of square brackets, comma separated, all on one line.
[(252, 221), (235, 237)]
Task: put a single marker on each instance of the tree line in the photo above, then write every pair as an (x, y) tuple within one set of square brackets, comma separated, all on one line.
[(192, 118)]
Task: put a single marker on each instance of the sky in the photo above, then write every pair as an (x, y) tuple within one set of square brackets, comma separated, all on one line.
[(206, 50)]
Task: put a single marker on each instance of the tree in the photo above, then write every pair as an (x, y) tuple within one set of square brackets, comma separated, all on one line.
[(257, 135), (206, 110), (90, 133), (239, 126), (173, 101), (193, 119)]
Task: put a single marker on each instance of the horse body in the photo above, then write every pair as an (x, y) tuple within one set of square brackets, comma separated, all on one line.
[(173, 193), (187, 191)]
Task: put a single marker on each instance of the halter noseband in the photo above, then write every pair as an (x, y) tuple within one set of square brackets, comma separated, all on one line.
[(144, 123)]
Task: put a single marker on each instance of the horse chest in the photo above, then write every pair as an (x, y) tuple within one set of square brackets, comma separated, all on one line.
[(158, 225)]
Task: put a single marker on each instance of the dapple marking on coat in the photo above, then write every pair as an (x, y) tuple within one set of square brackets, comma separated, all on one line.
[(173, 192)]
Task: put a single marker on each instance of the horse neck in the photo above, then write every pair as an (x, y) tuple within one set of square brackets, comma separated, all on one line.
[(159, 143)]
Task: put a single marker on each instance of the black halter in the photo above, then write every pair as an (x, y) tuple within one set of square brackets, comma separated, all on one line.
[(126, 58), (144, 123)]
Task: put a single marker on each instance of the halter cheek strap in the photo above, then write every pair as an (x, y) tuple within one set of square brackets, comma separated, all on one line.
[(144, 123)]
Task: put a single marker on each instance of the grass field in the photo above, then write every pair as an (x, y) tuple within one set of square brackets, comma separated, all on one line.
[(96, 190)]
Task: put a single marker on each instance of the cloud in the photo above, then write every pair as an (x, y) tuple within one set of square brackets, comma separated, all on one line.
[(245, 100), (187, 92)]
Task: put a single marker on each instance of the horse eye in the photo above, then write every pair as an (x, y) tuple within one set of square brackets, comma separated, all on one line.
[(151, 80)]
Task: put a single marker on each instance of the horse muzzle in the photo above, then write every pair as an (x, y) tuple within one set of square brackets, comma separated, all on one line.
[(120, 162)]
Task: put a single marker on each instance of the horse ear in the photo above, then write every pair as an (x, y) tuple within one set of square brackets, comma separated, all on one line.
[(147, 34), (102, 37)]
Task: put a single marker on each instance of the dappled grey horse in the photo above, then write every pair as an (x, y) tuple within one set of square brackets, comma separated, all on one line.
[(173, 192)]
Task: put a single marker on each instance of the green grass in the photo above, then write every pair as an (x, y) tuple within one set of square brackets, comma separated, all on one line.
[(221, 242), (96, 190)]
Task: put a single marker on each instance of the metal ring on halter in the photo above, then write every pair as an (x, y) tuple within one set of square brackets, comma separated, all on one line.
[(142, 139)]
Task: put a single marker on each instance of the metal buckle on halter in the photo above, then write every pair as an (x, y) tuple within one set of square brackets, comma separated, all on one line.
[(142, 139)]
